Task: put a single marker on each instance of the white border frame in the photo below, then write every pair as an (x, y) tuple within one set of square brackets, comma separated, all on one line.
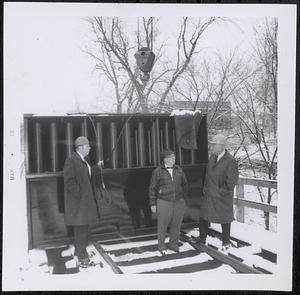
[(14, 198)]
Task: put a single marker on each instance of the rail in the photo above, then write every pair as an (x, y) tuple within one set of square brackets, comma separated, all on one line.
[(241, 203)]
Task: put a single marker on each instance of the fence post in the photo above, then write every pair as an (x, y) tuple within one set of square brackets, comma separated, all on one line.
[(240, 211)]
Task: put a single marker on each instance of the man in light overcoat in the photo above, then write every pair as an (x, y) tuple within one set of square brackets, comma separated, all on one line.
[(217, 201)]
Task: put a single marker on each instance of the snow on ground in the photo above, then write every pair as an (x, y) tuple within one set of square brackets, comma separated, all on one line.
[(147, 254), (159, 265), (193, 233), (38, 264), (131, 256), (258, 238), (222, 270), (252, 234), (210, 240), (130, 245), (202, 257), (257, 261), (37, 257)]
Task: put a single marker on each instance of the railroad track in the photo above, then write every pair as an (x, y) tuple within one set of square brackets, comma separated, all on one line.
[(139, 255)]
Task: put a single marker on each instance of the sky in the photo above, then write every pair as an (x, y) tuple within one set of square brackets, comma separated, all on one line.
[(47, 70)]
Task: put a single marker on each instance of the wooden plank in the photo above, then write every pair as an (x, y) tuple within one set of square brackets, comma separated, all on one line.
[(240, 212), (255, 205), (107, 258), (258, 182), (107, 171), (44, 175), (236, 264)]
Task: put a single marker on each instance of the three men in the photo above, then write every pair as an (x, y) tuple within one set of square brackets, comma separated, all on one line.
[(167, 192), (80, 205), (217, 202), (168, 188)]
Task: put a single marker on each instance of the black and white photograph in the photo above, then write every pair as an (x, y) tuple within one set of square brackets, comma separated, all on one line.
[(148, 147)]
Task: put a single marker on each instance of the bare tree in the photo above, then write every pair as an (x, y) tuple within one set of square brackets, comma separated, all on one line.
[(186, 49), (114, 57), (213, 84), (267, 56), (249, 84), (115, 49), (256, 103)]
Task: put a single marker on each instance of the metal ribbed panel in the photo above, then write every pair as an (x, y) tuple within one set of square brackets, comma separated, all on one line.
[(192, 157), (26, 148), (84, 128), (113, 142), (69, 138), (141, 144), (149, 146), (154, 145), (166, 135), (127, 144), (99, 141), (157, 141), (38, 147), (53, 147)]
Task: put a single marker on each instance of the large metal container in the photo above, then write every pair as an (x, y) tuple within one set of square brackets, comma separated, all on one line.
[(130, 145)]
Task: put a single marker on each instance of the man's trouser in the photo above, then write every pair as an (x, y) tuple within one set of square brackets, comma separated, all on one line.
[(203, 228), (81, 241), (169, 214)]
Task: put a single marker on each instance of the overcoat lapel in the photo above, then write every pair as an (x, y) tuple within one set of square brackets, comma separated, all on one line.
[(85, 165)]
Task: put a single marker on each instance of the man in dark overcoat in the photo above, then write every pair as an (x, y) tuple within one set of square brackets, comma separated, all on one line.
[(80, 203), (217, 201)]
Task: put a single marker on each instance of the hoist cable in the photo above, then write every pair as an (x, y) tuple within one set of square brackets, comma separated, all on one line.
[(105, 195)]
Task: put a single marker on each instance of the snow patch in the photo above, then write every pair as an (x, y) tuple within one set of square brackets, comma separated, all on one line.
[(154, 266), (68, 252), (130, 245), (253, 235), (132, 256), (222, 270), (37, 257), (184, 112)]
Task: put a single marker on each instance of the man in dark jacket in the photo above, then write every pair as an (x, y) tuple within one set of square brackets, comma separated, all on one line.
[(80, 204), (168, 188), (217, 202)]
